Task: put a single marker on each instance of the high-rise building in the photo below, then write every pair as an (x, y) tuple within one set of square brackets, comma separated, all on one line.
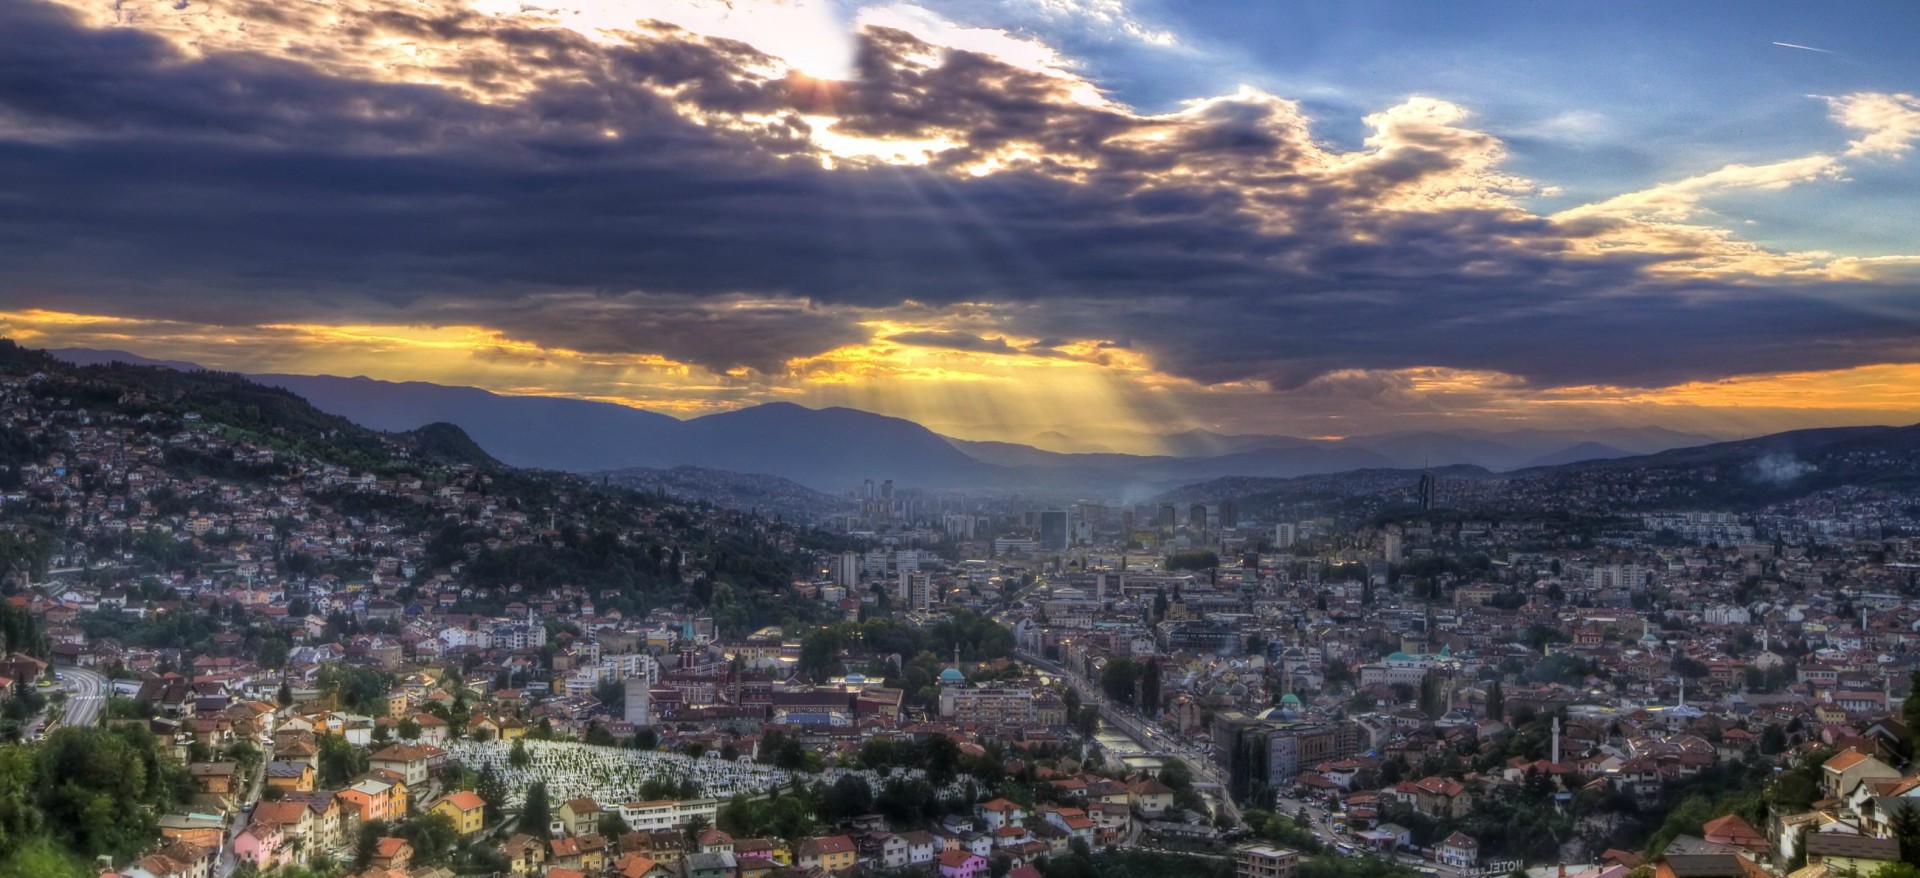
[(1053, 530), (1284, 535), (847, 575), (1229, 516), (1429, 491), (1197, 518), (915, 592), (639, 701), (1169, 517)]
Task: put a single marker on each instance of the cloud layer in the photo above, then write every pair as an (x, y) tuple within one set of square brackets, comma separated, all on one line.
[(656, 192)]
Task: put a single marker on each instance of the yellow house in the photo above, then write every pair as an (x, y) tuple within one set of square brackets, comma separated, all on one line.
[(593, 854), (581, 816), (638, 866), (829, 852), (1850, 854), (525, 854), (466, 809), (290, 777)]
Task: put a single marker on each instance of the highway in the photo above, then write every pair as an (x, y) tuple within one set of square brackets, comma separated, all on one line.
[(86, 696)]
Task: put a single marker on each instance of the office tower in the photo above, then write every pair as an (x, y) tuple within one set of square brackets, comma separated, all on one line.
[(1053, 530)]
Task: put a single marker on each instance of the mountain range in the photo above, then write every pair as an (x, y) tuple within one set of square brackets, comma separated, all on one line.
[(1740, 475), (834, 449)]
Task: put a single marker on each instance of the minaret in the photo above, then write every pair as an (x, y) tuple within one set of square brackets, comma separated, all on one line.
[(1683, 692), (1556, 740)]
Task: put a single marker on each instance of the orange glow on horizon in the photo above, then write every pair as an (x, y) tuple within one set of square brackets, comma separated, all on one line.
[(1016, 394)]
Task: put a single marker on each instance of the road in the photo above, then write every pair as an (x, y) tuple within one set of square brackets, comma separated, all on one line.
[(1317, 816), (1131, 725), (86, 696), (1320, 820)]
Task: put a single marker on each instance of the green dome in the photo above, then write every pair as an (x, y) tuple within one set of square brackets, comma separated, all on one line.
[(1289, 698), (952, 675)]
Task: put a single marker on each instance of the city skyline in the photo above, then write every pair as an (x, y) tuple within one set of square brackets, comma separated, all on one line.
[(995, 219)]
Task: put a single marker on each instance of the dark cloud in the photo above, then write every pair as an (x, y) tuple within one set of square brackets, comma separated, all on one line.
[(663, 196)]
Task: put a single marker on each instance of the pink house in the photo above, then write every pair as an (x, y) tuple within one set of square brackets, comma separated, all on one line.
[(264, 845), (962, 864)]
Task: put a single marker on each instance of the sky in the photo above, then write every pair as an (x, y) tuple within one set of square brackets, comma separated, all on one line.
[(1104, 219)]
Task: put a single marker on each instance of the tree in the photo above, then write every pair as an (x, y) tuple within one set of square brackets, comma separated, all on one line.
[(94, 791), (370, 835), (612, 693), (433, 837), (491, 790), (517, 754), (1150, 688), (1905, 823), (612, 825), (408, 730), (1910, 710), (697, 825), (1496, 701), (536, 815), (285, 695), (1193, 560), (1119, 679), (1432, 696), (849, 796), (1088, 722), (339, 761), (942, 760)]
